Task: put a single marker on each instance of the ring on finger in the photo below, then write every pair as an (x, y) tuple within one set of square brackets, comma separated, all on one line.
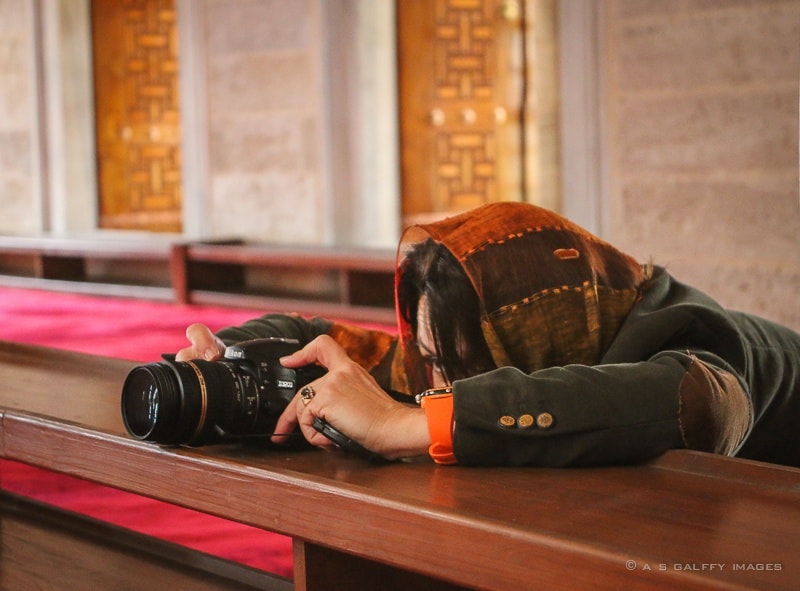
[(307, 394)]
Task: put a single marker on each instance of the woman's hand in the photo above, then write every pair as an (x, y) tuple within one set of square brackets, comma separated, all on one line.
[(350, 400), (204, 344)]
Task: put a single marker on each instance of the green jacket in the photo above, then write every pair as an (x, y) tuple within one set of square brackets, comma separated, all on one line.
[(675, 344)]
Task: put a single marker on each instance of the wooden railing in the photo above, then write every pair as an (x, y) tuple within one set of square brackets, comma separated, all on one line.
[(685, 521)]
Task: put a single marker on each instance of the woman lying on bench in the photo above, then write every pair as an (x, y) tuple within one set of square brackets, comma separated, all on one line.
[(544, 346)]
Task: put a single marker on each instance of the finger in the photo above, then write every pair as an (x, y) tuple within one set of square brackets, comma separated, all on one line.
[(204, 344), (287, 422), (305, 419), (186, 354), (317, 439), (323, 350), (295, 414)]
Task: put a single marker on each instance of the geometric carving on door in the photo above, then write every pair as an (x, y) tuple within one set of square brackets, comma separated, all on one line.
[(138, 114), (152, 82), (466, 169), (464, 49), (452, 110), (464, 68)]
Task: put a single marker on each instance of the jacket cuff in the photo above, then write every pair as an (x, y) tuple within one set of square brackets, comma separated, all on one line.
[(715, 413)]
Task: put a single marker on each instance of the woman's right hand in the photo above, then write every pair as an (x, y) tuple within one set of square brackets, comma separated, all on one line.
[(204, 344), (350, 400)]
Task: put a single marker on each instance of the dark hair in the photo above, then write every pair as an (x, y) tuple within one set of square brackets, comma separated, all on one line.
[(430, 269)]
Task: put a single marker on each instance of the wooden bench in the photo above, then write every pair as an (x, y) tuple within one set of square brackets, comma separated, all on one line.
[(686, 520), (334, 282), (118, 267)]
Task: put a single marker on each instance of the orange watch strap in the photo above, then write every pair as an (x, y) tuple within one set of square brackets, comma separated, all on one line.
[(439, 413)]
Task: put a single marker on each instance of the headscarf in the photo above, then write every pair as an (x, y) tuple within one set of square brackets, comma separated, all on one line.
[(551, 293)]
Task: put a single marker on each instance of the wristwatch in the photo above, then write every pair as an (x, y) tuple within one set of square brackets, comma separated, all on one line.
[(433, 392), (438, 406)]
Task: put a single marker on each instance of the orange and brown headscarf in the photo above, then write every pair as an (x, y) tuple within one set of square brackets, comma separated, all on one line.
[(551, 293)]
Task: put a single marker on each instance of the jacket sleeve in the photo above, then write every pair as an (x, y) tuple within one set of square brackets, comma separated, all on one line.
[(372, 349), (288, 326), (580, 415)]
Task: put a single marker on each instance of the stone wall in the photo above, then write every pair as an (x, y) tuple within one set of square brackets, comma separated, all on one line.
[(20, 212), (266, 119), (702, 100), (279, 108), (296, 120), (700, 134)]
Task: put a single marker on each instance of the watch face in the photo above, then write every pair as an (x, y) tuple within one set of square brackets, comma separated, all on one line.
[(433, 392)]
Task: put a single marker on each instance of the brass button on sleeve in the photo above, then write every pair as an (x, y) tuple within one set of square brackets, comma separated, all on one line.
[(507, 421), (544, 420), (526, 421)]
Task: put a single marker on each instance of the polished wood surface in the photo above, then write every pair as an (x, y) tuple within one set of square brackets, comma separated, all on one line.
[(667, 524)]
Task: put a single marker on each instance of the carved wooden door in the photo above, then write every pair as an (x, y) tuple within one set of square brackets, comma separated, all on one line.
[(459, 119), (137, 114)]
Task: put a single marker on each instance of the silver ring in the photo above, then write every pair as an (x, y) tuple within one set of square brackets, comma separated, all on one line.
[(307, 394)]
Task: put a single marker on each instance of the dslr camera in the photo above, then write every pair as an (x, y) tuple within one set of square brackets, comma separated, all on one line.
[(199, 402)]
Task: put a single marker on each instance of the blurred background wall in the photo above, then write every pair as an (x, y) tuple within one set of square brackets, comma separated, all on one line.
[(669, 127)]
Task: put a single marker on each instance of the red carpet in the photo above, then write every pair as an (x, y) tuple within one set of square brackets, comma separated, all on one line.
[(140, 331)]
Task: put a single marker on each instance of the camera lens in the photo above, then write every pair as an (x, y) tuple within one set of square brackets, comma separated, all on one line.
[(151, 401), (180, 402), (196, 402)]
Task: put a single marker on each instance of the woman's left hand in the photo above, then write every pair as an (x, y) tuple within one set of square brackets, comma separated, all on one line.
[(350, 399)]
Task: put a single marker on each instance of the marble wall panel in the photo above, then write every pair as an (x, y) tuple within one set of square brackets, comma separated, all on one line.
[(259, 82), (708, 49), (769, 291), (242, 143), (702, 140), (19, 198), (752, 218), (268, 207), (705, 133), (266, 120), (248, 26)]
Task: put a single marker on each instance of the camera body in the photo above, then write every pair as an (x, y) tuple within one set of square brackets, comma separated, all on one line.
[(199, 402)]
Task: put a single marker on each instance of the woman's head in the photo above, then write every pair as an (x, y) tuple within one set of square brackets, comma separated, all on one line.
[(438, 302), (508, 284)]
